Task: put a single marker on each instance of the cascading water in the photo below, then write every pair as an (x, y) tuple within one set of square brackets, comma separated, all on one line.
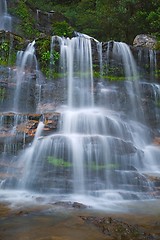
[(26, 68), (25, 77), (102, 150), (98, 152), (76, 61), (148, 59), (122, 51), (5, 18)]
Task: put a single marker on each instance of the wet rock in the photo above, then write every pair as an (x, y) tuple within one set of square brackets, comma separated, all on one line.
[(156, 141), (79, 205), (17, 42), (75, 205), (63, 204), (51, 121), (122, 147), (155, 180), (10, 183), (46, 107), (117, 229)]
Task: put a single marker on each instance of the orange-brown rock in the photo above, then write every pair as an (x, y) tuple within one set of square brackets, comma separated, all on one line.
[(156, 141)]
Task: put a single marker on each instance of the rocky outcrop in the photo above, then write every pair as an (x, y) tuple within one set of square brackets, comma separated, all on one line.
[(15, 42), (45, 20), (117, 229), (18, 130), (144, 40)]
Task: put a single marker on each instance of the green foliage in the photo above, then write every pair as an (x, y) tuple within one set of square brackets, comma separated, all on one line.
[(27, 24), (154, 19), (46, 58), (41, 4), (4, 46), (120, 20), (4, 52), (62, 29), (43, 54), (56, 56)]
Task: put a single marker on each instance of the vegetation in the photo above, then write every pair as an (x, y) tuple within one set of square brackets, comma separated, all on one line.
[(2, 93), (4, 50), (46, 56), (58, 162), (120, 20), (62, 29), (27, 22), (7, 56)]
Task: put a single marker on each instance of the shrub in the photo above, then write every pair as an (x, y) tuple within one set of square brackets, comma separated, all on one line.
[(62, 29)]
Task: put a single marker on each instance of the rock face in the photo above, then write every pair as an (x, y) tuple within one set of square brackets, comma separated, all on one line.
[(45, 20), (144, 40)]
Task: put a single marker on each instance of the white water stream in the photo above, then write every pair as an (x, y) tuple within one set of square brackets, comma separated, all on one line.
[(96, 153), (5, 18), (26, 66), (99, 156)]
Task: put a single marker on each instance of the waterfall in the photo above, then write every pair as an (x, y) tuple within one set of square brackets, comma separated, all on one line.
[(28, 158), (102, 149), (153, 63), (12, 143), (147, 60), (122, 51), (100, 53), (5, 18), (26, 68), (97, 152), (76, 62)]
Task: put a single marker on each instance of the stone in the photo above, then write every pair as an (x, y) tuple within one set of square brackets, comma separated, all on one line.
[(144, 40)]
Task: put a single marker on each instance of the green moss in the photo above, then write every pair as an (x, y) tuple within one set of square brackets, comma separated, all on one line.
[(2, 93), (115, 78), (109, 166), (58, 162)]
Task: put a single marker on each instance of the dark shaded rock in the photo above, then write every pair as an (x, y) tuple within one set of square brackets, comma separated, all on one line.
[(45, 20), (68, 204), (121, 147), (79, 205)]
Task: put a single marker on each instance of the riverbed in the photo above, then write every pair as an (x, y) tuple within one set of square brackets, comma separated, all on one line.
[(66, 220)]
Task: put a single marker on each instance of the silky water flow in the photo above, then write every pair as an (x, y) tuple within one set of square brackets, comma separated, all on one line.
[(5, 18), (100, 154)]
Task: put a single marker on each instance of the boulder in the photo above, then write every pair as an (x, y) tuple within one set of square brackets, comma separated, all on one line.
[(144, 40)]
